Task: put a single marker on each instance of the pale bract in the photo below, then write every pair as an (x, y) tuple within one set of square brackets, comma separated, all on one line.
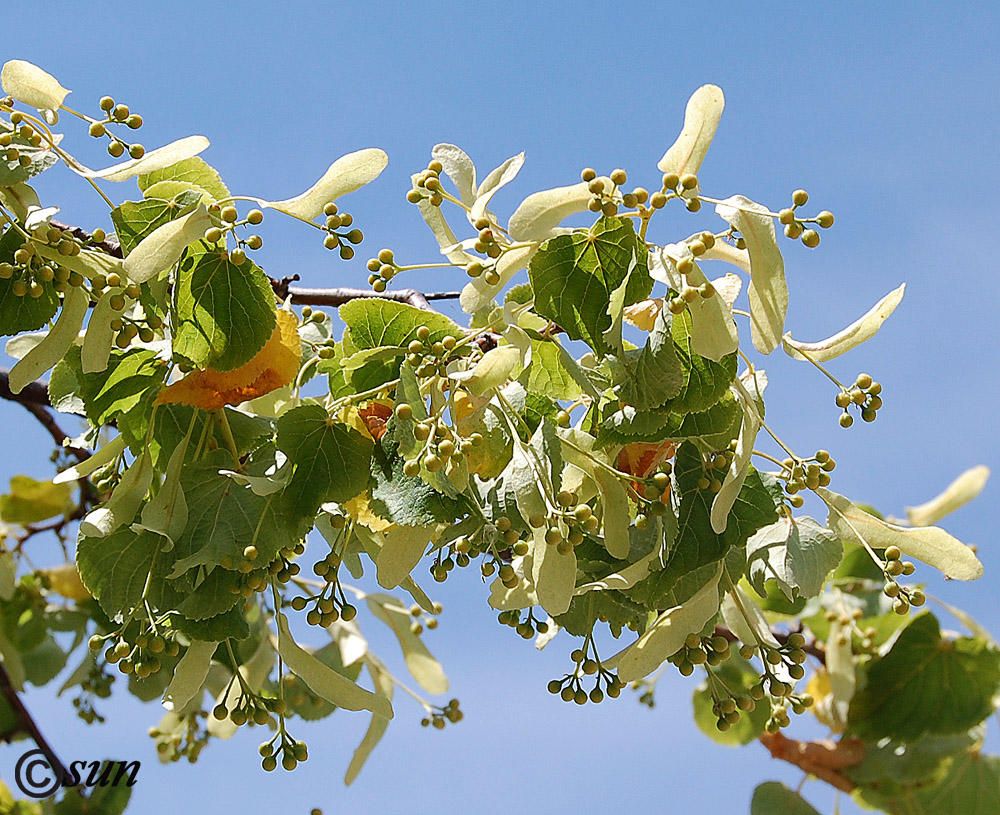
[(929, 544), (667, 633), (347, 174), (861, 330), (153, 160), (958, 493), (459, 168), (540, 213), (701, 119), (323, 680), (768, 291), (163, 247), (498, 178), (55, 344), (30, 85), (189, 675)]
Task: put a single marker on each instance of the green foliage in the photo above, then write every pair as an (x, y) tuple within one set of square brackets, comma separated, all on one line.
[(581, 484)]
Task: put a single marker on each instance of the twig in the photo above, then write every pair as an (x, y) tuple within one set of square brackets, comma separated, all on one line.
[(25, 724), (824, 759), (34, 398)]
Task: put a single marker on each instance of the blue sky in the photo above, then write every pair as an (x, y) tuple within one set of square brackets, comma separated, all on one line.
[(885, 113)]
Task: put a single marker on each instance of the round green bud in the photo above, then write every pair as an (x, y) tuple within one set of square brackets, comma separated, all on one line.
[(846, 420), (800, 198), (97, 130), (136, 151), (793, 230), (116, 149), (106, 103), (893, 553), (213, 234), (825, 219), (810, 238), (657, 200), (618, 177), (786, 215), (120, 112), (133, 121), (237, 257), (229, 213)]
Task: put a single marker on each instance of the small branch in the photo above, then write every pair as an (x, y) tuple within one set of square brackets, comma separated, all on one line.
[(25, 724), (34, 398), (338, 296), (824, 759)]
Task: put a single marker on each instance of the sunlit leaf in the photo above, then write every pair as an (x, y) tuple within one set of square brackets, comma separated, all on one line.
[(189, 675), (30, 501), (668, 632), (55, 344), (151, 161), (163, 247)]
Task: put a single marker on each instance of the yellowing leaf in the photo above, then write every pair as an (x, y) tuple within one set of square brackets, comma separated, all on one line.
[(862, 329), (960, 491), (701, 118), (65, 581), (667, 633), (643, 314), (30, 501), (491, 371), (29, 84), (153, 160), (274, 366), (347, 174), (929, 544)]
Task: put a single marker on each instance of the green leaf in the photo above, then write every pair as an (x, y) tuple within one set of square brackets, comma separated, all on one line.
[(925, 684), (230, 624), (705, 381), (331, 460), (574, 275), (609, 605), (24, 313), (774, 798), (224, 518), (194, 170), (697, 544), (739, 676), (30, 501), (798, 553), (225, 311), (376, 323), (970, 786), (401, 499), (892, 768), (710, 429), (135, 220), (114, 568), (131, 378), (657, 372)]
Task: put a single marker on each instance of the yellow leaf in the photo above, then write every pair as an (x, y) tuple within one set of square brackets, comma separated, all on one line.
[(65, 581), (274, 366)]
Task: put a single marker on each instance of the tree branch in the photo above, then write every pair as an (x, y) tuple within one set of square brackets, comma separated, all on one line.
[(824, 759), (35, 399), (26, 724)]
